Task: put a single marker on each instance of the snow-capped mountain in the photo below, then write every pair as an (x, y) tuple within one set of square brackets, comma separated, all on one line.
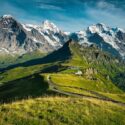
[(47, 25), (49, 31), (108, 39), (17, 38)]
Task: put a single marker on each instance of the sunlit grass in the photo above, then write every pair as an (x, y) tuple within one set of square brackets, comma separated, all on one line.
[(82, 82), (21, 72), (62, 111)]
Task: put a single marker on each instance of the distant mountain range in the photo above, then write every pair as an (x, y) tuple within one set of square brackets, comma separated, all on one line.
[(18, 39)]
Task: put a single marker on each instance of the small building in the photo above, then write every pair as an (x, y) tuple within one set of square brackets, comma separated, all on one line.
[(78, 73)]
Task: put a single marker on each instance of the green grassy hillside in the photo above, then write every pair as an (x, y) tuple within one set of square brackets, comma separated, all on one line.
[(62, 111), (99, 71), (32, 86), (100, 89), (6, 60)]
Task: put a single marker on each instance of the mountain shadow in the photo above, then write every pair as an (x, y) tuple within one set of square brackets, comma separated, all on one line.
[(59, 55), (31, 86)]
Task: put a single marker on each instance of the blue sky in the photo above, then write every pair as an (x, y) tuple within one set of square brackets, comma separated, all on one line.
[(69, 15)]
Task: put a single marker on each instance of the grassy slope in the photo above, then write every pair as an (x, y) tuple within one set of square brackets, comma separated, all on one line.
[(81, 82), (31, 86), (20, 72), (62, 111), (73, 83), (81, 59), (6, 60), (85, 59)]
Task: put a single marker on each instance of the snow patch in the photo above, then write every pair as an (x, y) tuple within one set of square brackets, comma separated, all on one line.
[(3, 49), (7, 16), (26, 28), (47, 25)]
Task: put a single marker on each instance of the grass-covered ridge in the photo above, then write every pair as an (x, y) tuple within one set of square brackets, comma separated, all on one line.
[(100, 89), (30, 86), (79, 81), (98, 70), (62, 111), (7, 59), (79, 85)]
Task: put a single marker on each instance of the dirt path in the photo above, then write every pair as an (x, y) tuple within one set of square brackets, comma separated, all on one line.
[(99, 96)]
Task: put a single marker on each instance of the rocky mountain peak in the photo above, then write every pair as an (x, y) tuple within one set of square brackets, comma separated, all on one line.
[(48, 25), (16, 37), (99, 27), (7, 21)]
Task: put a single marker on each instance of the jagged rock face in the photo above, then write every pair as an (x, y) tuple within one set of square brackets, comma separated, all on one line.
[(108, 39), (7, 22), (49, 32), (121, 43), (12, 35), (16, 38)]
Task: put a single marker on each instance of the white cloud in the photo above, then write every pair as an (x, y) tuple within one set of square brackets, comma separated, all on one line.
[(49, 7), (112, 18), (105, 5)]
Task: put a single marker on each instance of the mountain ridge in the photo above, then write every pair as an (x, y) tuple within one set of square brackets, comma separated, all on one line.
[(47, 37), (16, 38)]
